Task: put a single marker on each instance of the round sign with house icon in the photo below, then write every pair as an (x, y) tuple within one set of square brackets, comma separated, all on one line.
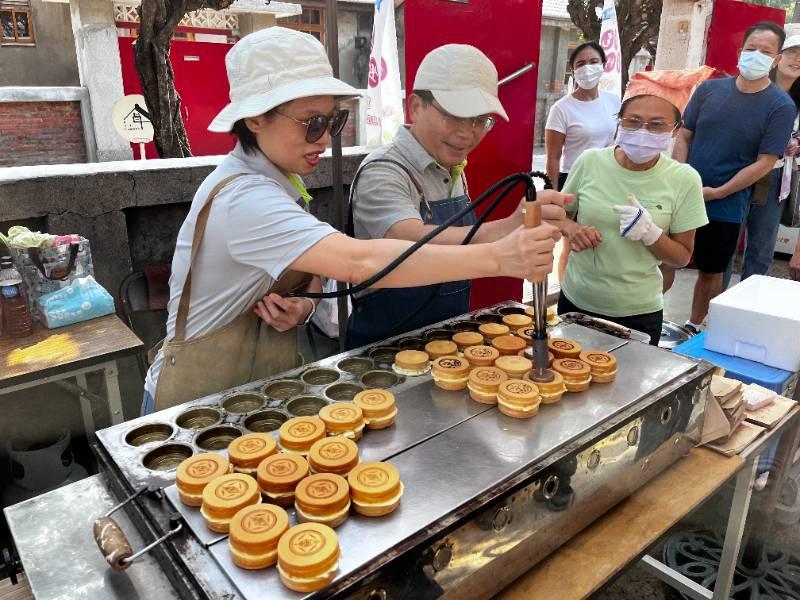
[(132, 119)]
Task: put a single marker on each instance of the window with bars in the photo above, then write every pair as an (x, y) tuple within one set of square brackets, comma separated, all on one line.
[(312, 21), (16, 22)]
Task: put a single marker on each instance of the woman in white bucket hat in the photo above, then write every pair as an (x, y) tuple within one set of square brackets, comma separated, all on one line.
[(246, 241)]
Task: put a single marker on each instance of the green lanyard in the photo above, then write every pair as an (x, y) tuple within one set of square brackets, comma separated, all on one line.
[(298, 185), (455, 175)]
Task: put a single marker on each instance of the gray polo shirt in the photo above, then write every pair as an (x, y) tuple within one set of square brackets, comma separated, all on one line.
[(384, 194)]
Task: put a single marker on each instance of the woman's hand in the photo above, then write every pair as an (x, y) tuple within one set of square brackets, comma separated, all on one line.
[(283, 314), (581, 237), (791, 147), (527, 253)]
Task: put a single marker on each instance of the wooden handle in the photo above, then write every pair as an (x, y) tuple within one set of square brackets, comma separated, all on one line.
[(112, 543), (533, 215)]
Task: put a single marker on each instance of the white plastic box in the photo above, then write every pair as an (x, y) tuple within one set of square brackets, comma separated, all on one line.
[(758, 319)]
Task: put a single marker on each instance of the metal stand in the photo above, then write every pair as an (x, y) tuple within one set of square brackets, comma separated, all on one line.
[(113, 396), (701, 564)]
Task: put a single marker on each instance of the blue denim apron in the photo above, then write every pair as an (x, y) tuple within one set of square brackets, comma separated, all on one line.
[(391, 311)]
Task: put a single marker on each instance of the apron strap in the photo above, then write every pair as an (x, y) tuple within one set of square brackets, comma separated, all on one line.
[(351, 228), (199, 232)]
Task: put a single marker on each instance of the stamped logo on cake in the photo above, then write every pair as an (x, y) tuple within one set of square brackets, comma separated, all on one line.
[(480, 351), (373, 477), (572, 365), (322, 488), (333, 450), (302, 429), (259, 521), (451, 363), (202, 468), (344, 413), (282, 467), (251, 445), (563, 345), (373, 398), (518, 387), (598, 358), (487, 375), (231, 490), (306, 543)]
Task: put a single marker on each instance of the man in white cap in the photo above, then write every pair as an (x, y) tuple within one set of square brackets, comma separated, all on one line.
[(403, 191)]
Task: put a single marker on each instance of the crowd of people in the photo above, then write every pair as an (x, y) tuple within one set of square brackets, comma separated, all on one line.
[(732, 135), (628, 213)]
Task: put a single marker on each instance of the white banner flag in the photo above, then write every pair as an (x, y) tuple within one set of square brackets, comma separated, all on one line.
[(384, 98), (609, 39)]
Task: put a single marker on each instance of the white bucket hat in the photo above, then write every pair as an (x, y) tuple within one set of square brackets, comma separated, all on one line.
[(462, 79), (791, 42), (273, 66)]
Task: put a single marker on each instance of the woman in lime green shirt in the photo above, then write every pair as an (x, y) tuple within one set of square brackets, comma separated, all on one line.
[(634, 208)]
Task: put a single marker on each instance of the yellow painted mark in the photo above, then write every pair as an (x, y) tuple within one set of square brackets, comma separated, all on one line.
[(55, 349)]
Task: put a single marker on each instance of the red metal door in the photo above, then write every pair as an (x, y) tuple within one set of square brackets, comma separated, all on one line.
[(508, 33), (729, 20), (202, 82)]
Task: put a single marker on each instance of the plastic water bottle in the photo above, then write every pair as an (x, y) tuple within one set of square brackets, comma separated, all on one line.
[(17, 316)]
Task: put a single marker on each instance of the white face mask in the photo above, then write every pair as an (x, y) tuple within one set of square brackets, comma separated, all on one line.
[(642, 146), (588, 76), (754, 65)]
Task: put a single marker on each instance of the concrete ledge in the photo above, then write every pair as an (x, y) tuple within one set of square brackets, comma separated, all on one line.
[(113, 203), (43, 94)]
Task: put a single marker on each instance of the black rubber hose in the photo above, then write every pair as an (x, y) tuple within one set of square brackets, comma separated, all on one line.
[(530, 193)]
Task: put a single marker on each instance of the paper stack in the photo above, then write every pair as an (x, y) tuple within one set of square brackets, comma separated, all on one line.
[(729, 394)]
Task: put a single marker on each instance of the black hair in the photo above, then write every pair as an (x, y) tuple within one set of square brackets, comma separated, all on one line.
[(625, 104), (793, 91), (766, 26), (246, 137), (425, 95), (593, 45)]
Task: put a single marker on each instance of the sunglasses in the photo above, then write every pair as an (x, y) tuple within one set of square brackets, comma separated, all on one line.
[(318, 124)]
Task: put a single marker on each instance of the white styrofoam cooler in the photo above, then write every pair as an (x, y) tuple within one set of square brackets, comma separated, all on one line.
[(758, 319)]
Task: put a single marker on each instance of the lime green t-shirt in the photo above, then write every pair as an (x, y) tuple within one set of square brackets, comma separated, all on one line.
[(620, 277)]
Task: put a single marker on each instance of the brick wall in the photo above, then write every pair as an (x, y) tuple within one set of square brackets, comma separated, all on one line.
[(41, 133)]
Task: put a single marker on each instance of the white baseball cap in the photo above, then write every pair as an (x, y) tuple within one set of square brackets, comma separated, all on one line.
[(272, 66), (791, 42), (462, 79)]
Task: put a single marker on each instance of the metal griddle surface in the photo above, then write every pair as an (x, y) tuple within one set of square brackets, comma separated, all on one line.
[(469, 460)]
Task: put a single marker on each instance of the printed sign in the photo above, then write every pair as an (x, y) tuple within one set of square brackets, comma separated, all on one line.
[(131, 119), (609, 39)]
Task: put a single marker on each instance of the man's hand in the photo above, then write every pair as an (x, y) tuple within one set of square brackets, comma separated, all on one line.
[(636, 222), (526, 253), (711, 193), (283, 314), (553, 203)]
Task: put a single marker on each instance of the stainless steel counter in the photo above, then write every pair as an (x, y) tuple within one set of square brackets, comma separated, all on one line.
[(53, 533)]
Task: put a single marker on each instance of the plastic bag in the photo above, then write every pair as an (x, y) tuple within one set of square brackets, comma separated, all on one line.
[(81, 300), (327, 315)]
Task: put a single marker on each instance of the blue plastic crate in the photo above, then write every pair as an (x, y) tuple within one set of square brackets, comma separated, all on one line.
[(746, 371)]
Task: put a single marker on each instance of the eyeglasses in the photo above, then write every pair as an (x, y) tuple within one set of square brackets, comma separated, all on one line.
[(484, 122), (318, 124), (632, 124)]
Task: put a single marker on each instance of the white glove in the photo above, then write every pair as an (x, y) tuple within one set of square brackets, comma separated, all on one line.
[(636, 223)]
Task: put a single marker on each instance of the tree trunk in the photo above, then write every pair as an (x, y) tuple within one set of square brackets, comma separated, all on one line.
[(158, 19), (638, 22)]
